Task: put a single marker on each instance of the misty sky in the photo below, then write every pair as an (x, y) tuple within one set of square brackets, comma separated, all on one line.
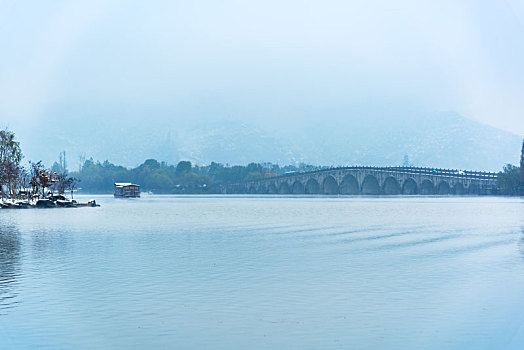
[(265, 60)]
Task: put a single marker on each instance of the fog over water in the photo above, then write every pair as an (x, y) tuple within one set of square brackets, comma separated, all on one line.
[(279, 66)]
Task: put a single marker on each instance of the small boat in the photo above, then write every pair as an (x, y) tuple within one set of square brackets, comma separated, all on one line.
[(126, 190)]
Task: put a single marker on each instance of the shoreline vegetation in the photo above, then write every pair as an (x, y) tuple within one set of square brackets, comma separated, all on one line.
[(36, 182), (184, 178), (33, 186)]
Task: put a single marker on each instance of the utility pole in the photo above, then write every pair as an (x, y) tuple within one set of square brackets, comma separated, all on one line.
[(63, 164)]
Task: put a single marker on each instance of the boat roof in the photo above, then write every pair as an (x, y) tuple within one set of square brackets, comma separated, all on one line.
[(124, 184)]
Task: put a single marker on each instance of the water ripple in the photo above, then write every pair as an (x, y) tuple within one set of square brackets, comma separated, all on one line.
[(264, 272)]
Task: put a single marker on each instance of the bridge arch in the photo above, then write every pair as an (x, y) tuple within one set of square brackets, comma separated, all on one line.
[(329, 185), (443, 188), (297, 188), (370, 185), (409, 187), (391, 186), (262, 189), (349, 185), (238, 189), (272, 188), (473, 189), (284, 188), (427, 187), (312, 187), (459, 189)]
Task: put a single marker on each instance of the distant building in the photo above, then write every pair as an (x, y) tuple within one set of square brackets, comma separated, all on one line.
[(406, 163), (126, 190)]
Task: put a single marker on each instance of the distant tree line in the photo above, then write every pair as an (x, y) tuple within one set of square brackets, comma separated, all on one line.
[(162, 178), (511, 178), (20, 182)]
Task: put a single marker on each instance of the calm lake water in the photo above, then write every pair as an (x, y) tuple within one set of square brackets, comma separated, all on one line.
[(247, 272)]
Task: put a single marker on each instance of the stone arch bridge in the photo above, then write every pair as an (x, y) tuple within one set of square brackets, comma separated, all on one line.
[(373, 181)]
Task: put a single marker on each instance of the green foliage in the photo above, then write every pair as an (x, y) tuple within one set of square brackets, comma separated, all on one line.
[(11, 173), (508, 180), (158, 181), (182, 168), (9, 148), (159, 177)]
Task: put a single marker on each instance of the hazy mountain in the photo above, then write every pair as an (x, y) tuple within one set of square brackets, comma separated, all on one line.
[(444, 140), (438, 140)]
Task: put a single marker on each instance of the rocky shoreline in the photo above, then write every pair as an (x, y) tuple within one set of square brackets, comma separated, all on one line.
[(47, 203)]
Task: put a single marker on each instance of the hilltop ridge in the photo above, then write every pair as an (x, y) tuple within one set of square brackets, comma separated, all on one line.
[(445, 140)]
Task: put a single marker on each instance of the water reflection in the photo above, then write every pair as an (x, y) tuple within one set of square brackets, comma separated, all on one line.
[(10, 248), (49, 244)]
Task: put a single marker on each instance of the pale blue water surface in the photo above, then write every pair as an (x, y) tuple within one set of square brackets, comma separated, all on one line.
[(266, 272)]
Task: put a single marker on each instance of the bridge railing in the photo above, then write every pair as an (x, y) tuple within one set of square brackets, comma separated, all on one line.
[(467, 174)]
